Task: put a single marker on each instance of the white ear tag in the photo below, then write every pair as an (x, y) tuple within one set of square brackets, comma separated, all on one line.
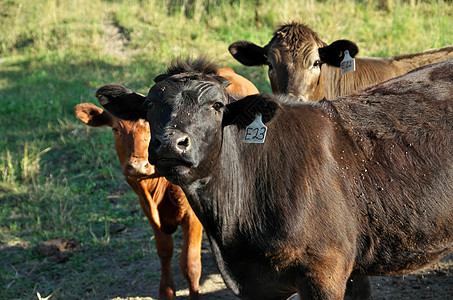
[(347, 64), (255, 133)]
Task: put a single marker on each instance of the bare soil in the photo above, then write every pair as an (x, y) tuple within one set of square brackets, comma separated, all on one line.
[(112, 274), (434, 282)]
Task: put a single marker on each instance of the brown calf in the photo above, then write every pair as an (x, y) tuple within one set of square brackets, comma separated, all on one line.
[(303, 65), (163, 203)]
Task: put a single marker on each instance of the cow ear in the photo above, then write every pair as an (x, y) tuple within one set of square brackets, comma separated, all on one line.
[(248, 53), (161, 77), (242, 112), (122, 102), (92, 115), (333, 54), (224, 83)]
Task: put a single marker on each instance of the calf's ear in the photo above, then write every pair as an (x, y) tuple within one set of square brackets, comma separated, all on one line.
[(122, 102), (242, 112), (248, 53), (92, 115), (333, 54)]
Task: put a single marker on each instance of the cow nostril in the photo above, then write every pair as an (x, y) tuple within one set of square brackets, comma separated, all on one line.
[(156, 143), (169, 142), (183, 143)]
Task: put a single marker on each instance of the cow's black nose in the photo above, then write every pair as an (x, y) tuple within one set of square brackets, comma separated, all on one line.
[(182, 143), (170, 142)]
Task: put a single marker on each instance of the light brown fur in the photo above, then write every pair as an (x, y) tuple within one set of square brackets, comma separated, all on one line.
[(370, 71), (294, 59)]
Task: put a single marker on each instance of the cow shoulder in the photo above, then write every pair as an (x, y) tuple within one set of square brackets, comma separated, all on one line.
[(240, 85)]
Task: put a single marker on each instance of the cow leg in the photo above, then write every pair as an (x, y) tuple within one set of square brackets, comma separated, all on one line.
[(315, 288), (164, 245), (326, 279), (358, 288), (190, 259)]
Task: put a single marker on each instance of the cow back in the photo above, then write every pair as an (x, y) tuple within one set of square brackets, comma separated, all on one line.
[(239, 85), (369, 71)]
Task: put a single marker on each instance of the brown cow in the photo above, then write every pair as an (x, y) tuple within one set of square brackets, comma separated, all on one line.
[(163, 203), (303, 65), (360, 185)]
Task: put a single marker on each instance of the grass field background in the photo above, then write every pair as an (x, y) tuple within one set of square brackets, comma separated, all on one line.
[(59, 178)]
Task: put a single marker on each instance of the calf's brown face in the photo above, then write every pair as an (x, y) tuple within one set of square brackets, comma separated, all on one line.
[(294, 55), (131, 139), (292, 72)]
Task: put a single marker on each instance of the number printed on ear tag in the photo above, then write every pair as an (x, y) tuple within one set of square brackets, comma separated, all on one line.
[(347, 64), (255, 133)]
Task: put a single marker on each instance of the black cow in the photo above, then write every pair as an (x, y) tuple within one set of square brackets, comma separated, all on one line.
[(362, 185)]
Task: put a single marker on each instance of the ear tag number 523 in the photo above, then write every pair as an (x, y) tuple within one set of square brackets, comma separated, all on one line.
[(255, 133), (347, 65)]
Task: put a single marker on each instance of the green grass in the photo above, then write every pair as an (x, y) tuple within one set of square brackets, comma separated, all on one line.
[(57, 176)]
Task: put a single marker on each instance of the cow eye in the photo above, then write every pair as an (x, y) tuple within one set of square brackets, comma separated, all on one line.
[(317, 63), (149, 104), (217, 106), (115, 130)]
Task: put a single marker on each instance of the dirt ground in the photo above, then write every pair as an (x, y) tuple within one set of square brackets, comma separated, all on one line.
[(434, 282)]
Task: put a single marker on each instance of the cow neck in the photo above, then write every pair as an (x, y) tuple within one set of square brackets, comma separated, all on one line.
[(252, 180), (223, 204), (252, 186)]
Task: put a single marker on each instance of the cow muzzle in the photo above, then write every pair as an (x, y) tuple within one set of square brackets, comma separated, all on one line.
[(138, 168), (170, 151), (170, 142), (170, 146)]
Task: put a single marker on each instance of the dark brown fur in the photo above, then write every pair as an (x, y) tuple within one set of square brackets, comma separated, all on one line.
[(361, 185)]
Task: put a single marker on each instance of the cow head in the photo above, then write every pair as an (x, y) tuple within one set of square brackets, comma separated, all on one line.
[(294, 56), (131, 139), (187, 108)]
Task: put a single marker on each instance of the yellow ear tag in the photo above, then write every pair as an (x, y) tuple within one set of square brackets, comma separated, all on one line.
[(347, 64), (255, 133)]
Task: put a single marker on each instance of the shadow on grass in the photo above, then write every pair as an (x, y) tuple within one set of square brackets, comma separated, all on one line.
[(66, 194), (121, 270)]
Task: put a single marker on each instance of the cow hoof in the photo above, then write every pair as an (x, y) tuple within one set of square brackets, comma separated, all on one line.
[(166, 293)]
